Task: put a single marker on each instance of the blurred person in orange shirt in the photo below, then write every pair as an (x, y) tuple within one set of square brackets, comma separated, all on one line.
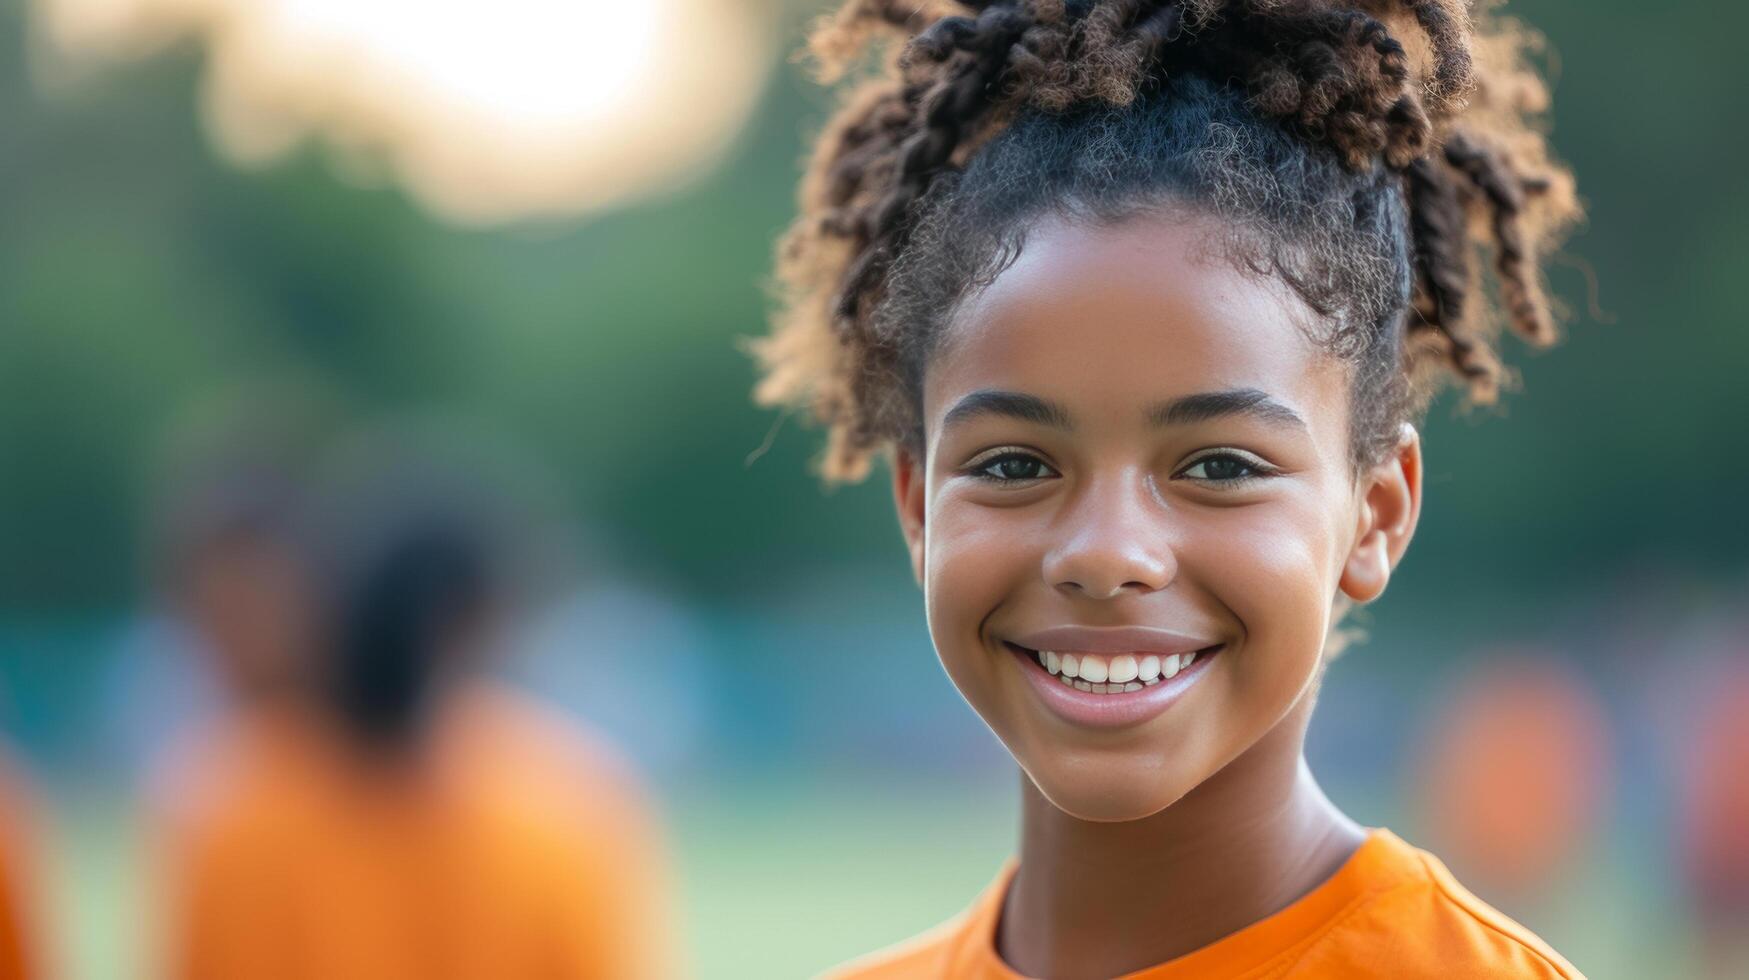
[(1714, 824), (409, 818), (1514, 774), (21, 953)]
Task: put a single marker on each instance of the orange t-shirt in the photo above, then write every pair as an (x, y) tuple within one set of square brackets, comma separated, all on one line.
[(1391, 910), (519, 851), (19, 952)]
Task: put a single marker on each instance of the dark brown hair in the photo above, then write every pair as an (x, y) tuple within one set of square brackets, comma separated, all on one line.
[(1373, 155)]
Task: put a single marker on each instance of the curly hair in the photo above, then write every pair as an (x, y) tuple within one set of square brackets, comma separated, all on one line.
[(1373, 155)]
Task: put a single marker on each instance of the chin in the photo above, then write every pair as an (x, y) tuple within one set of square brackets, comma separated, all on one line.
[(1101, 792)]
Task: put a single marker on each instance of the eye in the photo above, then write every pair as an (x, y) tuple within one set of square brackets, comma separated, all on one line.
[(1011, 467), (1226, 467)]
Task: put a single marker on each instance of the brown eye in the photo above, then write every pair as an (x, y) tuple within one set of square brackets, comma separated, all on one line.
[(1224, 468), (1014, 467)]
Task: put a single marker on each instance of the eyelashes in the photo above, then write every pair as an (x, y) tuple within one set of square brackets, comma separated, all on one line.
[(1011, 466), (1229, 463)]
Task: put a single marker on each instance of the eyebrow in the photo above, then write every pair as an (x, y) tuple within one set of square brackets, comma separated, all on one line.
[(1203, 406), (1189, 409), (1011, 404)]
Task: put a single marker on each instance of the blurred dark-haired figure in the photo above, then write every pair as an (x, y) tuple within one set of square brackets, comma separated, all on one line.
[(229, 558), (411, 819)]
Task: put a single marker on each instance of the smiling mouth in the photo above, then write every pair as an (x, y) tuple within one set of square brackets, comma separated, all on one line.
[(1123, 673)]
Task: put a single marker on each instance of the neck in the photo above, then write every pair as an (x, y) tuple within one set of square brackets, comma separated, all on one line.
[(1103, 899)]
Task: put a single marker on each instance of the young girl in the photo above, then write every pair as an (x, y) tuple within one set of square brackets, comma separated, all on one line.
[(1143, 300)]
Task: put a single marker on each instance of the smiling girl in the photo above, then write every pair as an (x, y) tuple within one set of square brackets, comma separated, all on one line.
[(1143, 302)]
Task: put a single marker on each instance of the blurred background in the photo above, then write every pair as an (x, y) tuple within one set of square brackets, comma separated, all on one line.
[(546, 227)]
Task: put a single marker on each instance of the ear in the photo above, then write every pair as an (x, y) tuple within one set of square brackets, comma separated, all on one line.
[(1390, 505), (909, 476)]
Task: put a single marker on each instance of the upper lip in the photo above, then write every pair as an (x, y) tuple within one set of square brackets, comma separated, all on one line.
[(1113, 639)]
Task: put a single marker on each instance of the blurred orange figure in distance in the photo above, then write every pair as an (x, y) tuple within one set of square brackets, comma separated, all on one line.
[(408, 818), (20, 951), (1512, 776), (1714, 824)]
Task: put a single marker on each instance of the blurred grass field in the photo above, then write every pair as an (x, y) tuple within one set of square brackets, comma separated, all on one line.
[(787, 879), (783, 882)]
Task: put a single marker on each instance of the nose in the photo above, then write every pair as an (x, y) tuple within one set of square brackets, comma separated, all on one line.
[(1113, 541)]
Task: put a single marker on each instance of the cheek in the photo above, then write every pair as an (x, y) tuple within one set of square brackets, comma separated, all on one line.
[(1273, 569), (974, 558)]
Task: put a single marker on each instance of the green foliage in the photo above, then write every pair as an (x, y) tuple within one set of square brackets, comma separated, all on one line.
[(139, 274)]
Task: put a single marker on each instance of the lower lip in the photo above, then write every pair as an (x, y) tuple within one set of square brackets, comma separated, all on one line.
[(1109, 710)]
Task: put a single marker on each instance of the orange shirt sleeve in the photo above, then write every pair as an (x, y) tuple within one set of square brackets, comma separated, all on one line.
[(1391, 911)]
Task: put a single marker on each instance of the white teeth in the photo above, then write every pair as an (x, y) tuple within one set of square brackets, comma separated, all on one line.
[(1120, 674)]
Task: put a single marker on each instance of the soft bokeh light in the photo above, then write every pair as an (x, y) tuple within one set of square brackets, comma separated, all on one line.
[(1514, 771), (485, 111)]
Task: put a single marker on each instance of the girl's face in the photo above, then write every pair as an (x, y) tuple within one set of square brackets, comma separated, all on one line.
[(1136, 472)]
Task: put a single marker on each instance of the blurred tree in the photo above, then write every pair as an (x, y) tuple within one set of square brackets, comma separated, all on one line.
[(137, 271)]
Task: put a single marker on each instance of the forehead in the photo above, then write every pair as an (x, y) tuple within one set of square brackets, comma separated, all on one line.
[(1106, 317)]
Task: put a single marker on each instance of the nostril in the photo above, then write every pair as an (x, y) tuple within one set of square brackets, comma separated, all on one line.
[(1108, 591), (1108, 566)]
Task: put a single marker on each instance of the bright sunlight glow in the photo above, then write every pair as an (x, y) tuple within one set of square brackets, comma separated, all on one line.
[(486, 110)]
